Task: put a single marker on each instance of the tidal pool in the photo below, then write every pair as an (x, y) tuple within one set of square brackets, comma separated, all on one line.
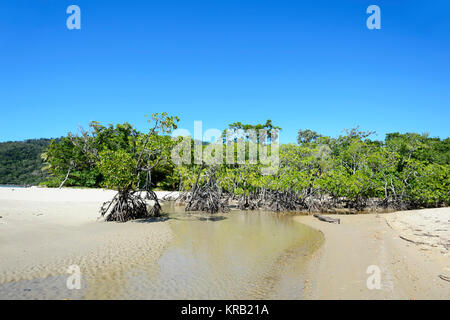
[(236, 255)]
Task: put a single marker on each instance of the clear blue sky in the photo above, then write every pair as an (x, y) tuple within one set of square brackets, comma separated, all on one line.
[(303, 64)]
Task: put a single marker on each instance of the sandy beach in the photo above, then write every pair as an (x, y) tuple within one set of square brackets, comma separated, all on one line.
[(44, 231), (410, 248)]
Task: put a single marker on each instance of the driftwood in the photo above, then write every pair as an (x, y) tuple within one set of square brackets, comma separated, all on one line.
[(445, 278), (412, 241), (327, 219)]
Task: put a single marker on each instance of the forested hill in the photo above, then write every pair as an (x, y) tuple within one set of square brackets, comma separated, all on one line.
[(21, 163)]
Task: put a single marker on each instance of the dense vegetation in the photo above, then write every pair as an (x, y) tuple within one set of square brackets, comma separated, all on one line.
[(115, 157), (350, 172), (21, 162), (320, 173), (93, 158)]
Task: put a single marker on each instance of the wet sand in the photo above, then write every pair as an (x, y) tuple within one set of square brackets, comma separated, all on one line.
[(338, 270), (44, 231), (238, 255)]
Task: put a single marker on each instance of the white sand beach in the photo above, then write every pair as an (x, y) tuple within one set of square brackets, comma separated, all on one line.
[(44, 231), (409, 247)]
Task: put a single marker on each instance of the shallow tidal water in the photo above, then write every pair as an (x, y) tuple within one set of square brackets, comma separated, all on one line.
[(235, 255)]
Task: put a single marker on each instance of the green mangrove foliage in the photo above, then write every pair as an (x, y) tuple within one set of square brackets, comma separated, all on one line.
[(320, 173), (115, 157), (91, 158), (349, 172)]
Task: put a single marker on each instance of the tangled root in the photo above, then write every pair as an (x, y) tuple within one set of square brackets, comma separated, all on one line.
[(127, 206), (207, 197)]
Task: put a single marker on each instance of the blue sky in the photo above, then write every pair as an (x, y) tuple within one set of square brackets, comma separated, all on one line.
[(303, 64)]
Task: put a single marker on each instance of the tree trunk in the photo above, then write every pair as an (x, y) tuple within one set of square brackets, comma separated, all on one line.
[(67, 176)]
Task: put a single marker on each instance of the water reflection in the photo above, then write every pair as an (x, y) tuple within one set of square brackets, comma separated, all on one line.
[(237, 255)]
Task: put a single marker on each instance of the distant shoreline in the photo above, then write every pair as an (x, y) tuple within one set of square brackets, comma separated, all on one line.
[(13, 186)]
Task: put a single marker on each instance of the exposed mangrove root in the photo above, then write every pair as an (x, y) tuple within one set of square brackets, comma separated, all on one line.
[(182, 199), (132, 205), (248, 203), (155, 208), (207, 197), (313, 201)]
